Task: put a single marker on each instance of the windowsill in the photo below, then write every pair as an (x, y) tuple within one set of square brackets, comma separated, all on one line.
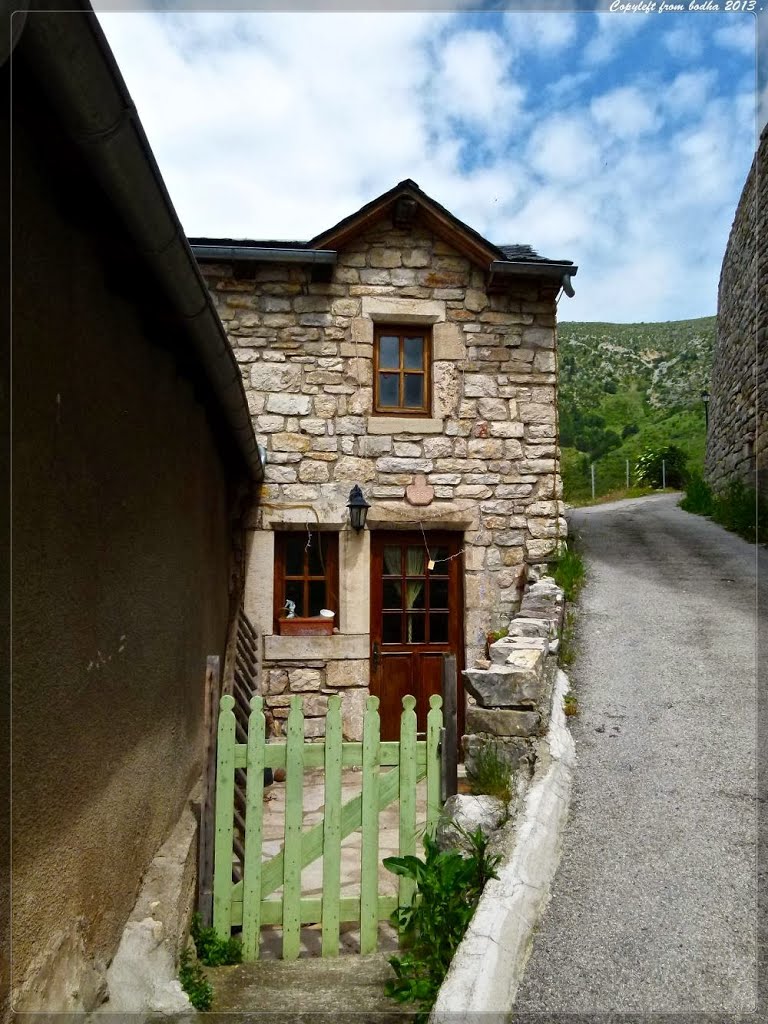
[(405, 425), (337, 647)]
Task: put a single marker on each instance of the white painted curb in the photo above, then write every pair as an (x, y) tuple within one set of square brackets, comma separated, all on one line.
[(488, 966)]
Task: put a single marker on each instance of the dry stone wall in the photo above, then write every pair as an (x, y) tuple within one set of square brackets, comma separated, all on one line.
[(488, 452), (736, 443)]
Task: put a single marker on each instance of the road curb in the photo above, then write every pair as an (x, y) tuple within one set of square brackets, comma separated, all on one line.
[(488, 966)]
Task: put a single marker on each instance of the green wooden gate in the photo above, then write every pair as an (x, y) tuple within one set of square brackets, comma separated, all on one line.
[(250, 902)]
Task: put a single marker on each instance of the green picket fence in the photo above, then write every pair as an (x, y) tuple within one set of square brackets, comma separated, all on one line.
[(253, 902)]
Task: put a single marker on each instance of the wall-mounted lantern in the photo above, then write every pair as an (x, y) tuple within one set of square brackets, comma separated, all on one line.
[(705, 400), (358, 509)]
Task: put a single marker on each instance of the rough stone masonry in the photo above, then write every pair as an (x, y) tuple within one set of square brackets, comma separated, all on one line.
[(485, 460)]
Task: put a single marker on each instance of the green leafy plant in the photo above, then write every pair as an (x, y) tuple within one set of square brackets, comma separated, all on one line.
[(491, 774), (738, 508), (569, 573), (194, 981), (212, 950), (655, 466), (570, 704), (567, 650), (698, 496), (491, 637), (448, 887)]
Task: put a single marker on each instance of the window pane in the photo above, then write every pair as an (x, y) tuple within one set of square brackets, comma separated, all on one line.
[(392, 565), (438, 594), (416, 627), (294, 591), (439, 554), (316, 597), (438, 628), (388, 389), (393, 594), (414, 391), (413, 353), (314, 559), (294, 556), (389, 351), (414, 594), (391, 629), (414, 562)]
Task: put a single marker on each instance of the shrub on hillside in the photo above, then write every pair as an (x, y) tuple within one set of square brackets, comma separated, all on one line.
[(656, 465)]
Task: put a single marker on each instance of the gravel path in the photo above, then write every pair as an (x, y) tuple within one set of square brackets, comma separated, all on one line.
[(654, 903)]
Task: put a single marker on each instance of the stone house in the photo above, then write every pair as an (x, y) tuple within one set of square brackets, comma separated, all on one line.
[(401, 352)]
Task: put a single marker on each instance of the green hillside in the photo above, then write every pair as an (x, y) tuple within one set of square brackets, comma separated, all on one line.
[(626, 387)]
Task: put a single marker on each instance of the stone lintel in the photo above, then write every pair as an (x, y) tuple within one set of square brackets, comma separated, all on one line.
[(391, 309)]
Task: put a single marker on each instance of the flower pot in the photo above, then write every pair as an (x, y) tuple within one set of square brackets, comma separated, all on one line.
[(314, 626)]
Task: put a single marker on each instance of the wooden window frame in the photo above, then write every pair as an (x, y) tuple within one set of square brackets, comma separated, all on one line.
[(401, 331), (330, 541)]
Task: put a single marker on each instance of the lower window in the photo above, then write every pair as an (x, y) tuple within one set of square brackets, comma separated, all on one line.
[(306, 573)]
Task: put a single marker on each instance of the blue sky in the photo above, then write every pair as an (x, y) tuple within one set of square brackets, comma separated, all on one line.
[(620, 140)]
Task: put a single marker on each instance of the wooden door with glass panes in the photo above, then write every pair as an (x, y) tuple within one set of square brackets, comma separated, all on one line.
[(416, 617)]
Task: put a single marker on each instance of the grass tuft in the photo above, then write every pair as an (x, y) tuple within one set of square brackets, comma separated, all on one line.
[(569, 573), (491, 775)]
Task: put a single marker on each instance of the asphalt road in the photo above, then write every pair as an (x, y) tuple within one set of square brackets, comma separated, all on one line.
[(654, 903)]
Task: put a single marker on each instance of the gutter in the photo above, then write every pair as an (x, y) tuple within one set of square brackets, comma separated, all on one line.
[(258, 254), (75, 65), (560, 272)]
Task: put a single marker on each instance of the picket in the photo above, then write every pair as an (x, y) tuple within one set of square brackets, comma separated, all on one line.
[(391, 772)]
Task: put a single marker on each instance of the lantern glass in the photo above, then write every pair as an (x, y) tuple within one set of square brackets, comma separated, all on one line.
[(358, 509)]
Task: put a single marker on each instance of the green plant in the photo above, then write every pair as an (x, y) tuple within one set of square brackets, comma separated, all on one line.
[(698, 496), (194, 981), (491, 637), (212, 950), (491, 773), (566, 652), (448, 887), (657, 466), (569, 573), (570, 704)]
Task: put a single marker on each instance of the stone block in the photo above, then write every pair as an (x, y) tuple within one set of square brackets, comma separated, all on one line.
[(352, 714), (355, 470), (314, 728), (543, 600), (519, 682), (463, 814), (502, 649), (517, 752), (312, 471), (532, 627), (305, 679), (289, 405), (503, 723), (343, 674), (448, 342), (404, 425), (286, 377), (479, 385)]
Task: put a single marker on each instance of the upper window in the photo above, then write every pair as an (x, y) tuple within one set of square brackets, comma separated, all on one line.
[(401, 370), (306, 572)]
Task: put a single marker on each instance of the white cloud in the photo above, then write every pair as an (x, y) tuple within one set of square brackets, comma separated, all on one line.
[(613, 30), (278, 125), (626, 112), (739, 35), (564, 149), (690, 91), (549, 32), (683, 42)]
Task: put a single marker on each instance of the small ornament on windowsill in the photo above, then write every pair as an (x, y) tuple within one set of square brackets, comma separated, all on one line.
[(290, 607), (420, 492)]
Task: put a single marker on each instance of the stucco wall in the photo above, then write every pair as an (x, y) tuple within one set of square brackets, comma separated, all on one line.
[(738, 411), (121, 572), (488, 451)]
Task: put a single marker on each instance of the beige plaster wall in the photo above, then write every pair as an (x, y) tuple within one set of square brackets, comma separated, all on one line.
[(121, 573)]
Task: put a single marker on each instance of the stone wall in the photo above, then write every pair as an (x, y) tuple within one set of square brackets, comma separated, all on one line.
[(488, 451), (738, 413)]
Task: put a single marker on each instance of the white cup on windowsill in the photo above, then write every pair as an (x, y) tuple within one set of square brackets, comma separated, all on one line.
[(326, 613)]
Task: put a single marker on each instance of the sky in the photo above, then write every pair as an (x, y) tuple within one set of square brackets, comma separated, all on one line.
[(619, 139)]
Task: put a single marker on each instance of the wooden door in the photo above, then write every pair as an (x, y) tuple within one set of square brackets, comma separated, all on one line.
[(417, 616)]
